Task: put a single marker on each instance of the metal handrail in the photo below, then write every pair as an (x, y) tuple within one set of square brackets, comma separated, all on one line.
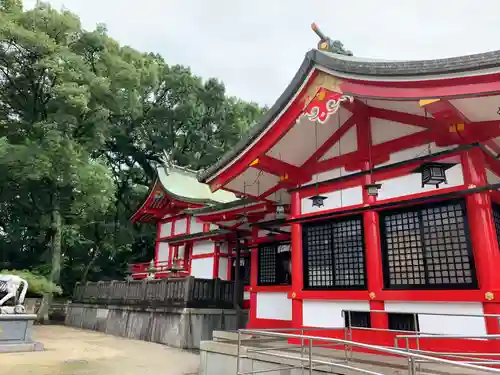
[(411, 357), (424, 313)]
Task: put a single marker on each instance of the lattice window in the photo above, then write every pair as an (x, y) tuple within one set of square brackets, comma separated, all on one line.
[(274, 264), (427, 247), (334, 254), (496, 217), (403, 322), (357, 319)]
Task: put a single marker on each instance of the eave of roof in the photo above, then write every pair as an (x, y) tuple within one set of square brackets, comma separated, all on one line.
[(366, 69), (183, 186), (208, 210), (197, 236)]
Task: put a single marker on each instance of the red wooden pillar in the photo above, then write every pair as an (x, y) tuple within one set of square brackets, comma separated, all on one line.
[(254, 264), (215, 272), (297, 268), (483, 236), (371, 227), (373, 257)]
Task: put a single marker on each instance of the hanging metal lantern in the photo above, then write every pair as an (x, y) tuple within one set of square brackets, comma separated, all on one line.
[(317, 200), (373, 189), (433, 173), (280, 211)]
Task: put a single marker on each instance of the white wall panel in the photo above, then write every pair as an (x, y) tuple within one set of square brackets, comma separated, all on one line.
[(328, 314), (223, 264), (492, 177), (274, 306), (163, 252), (165, 229), (202, 268), (335, 199), (412, 184), (246, 295), (415, 152), (180, 226), (203, 247), (457, 325), (385, 130), (195, 226)]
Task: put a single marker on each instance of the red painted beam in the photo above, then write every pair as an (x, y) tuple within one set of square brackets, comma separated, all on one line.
[(452, 126), (334, 138), (276, 167), (380, 153), (404, 118)]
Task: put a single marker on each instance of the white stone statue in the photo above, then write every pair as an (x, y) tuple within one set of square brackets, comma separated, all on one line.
[(10, 285)]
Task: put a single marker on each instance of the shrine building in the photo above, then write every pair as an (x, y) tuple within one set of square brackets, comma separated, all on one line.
[(388, 173), (369, 190)]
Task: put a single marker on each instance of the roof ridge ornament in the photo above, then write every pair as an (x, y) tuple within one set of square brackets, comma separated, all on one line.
[(329, 45)]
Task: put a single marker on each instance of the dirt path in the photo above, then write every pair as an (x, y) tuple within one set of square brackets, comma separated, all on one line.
[(70, 351)]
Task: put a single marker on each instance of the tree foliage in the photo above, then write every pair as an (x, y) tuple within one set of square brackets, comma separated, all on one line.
[(83, 123), (37, 284)]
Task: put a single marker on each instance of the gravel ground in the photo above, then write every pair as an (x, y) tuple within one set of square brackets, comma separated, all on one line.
[(70, 351)]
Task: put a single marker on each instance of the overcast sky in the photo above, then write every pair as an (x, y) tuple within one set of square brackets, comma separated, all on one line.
[(256, 46)]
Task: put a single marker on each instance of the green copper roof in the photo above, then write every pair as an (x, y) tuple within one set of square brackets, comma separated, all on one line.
[(182, 184)]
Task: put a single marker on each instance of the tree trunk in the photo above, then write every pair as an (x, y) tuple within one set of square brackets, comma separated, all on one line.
[(55, 273), (88, 266)]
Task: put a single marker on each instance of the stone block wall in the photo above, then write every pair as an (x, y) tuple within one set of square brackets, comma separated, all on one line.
[(177, 327)]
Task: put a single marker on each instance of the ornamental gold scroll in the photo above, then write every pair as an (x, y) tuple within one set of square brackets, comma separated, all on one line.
[(323, 98)]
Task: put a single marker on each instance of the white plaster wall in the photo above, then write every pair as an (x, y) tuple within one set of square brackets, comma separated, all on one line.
[(412, 184), (385, 130), (456, 325), (328, 175), (274, 306), (196, 226), (492, 177), (415, 152), (203, 247), (202, 268), (180, 226), (163, 251), (223, 264), (224, 247), (165, 229), (246, 296), (214, 227), (335, 199), (328, 314)]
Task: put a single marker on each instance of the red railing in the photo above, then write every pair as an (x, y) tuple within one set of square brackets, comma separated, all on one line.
[(161, 269)]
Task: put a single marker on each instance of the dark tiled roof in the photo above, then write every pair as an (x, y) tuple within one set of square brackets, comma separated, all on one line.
[(363, 68)]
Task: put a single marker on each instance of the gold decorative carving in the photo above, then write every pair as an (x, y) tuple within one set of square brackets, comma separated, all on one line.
[(322, 80), (294, 295), (372, 295), (489, 296)]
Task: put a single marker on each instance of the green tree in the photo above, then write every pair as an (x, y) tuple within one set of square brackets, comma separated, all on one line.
[(83, 123)]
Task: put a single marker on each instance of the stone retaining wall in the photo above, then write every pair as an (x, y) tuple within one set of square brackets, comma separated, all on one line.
[(178, 327)]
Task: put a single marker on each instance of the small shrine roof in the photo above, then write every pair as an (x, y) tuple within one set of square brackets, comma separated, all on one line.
[(178, 184), (182, 184)]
